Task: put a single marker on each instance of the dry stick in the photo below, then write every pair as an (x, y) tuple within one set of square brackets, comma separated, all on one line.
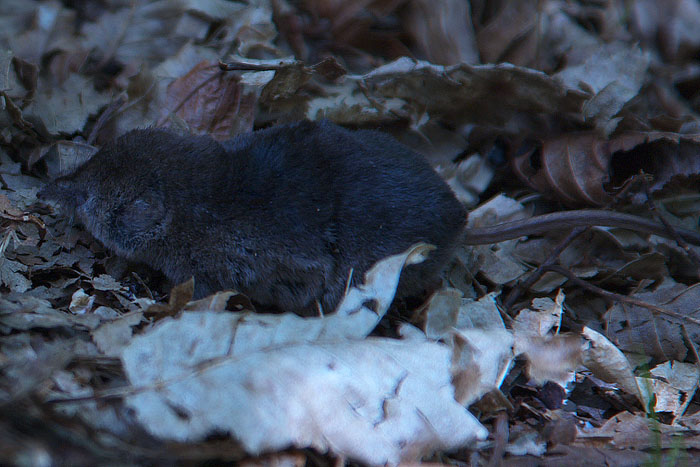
[(539, 272), (479, 289), (105, 116), (143, 283), (691, 344), (672, 230), (618, 297), (501, 435), (242, 66), (110, 112)]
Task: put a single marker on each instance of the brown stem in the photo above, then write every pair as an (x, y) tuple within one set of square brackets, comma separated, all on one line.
[(673, 232), (540, 271), (618, 297)]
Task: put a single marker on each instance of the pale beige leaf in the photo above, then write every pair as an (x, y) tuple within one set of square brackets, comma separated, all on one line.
[(481, 360), (608, 363), (540, 322), (550, 358), (376, 400), (674, 386)]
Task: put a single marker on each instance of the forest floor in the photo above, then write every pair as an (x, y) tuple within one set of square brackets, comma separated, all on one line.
[(578, 344)]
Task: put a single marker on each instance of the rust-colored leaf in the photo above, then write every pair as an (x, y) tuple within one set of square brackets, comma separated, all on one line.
[(210, 101), (575, 168)]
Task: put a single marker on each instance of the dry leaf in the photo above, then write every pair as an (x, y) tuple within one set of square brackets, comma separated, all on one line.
[(609, 364), (210, 101), (480, 361), (613, 75), (305, 371), (638, 330), (377, 400), (443, 30), (65, 107)]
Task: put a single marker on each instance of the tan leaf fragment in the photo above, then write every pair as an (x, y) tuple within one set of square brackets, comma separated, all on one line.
[(11, 275), (613, 74), (63, 157), (106, 282), (111, 337), (180, 296), (542, 321), (481, 360), (22, 311), (608, 363), (81, 303), (498, 263), (552, 358), (480, 314), (674, 386), (441, 314)]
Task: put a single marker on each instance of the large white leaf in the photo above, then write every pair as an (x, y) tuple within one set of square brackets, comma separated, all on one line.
[(274, 381)]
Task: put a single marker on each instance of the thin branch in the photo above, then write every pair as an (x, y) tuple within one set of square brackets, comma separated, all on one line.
[(618, 297), (671, 229), (540, 271), (243, 66)]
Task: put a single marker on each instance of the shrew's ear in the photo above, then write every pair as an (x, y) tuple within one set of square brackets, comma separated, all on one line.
[(64, 191)]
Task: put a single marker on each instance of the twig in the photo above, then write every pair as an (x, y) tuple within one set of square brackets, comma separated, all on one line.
[(143, 283), (501, 435), (671, 230), (104, 117), (618, 297), (691, 344), (540, 271), (243, 66)]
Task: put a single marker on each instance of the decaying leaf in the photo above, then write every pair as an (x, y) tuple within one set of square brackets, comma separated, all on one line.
[(612, 75), (295, 385), (546, 316), (608, 363), (210, 101), (180, 296), (26, 312), (481, 360), (372, 400), (66, 115), (443, 31), (577, 168), (498, 263), (674, 385), (11, 275), (112, 336), (464, 92), (550, 357), (641, 331), (81, 302)]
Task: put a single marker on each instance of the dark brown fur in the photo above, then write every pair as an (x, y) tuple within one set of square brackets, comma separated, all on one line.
[(281, 214)]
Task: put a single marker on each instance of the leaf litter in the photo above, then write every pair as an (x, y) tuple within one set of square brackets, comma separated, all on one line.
[(560, 345)]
